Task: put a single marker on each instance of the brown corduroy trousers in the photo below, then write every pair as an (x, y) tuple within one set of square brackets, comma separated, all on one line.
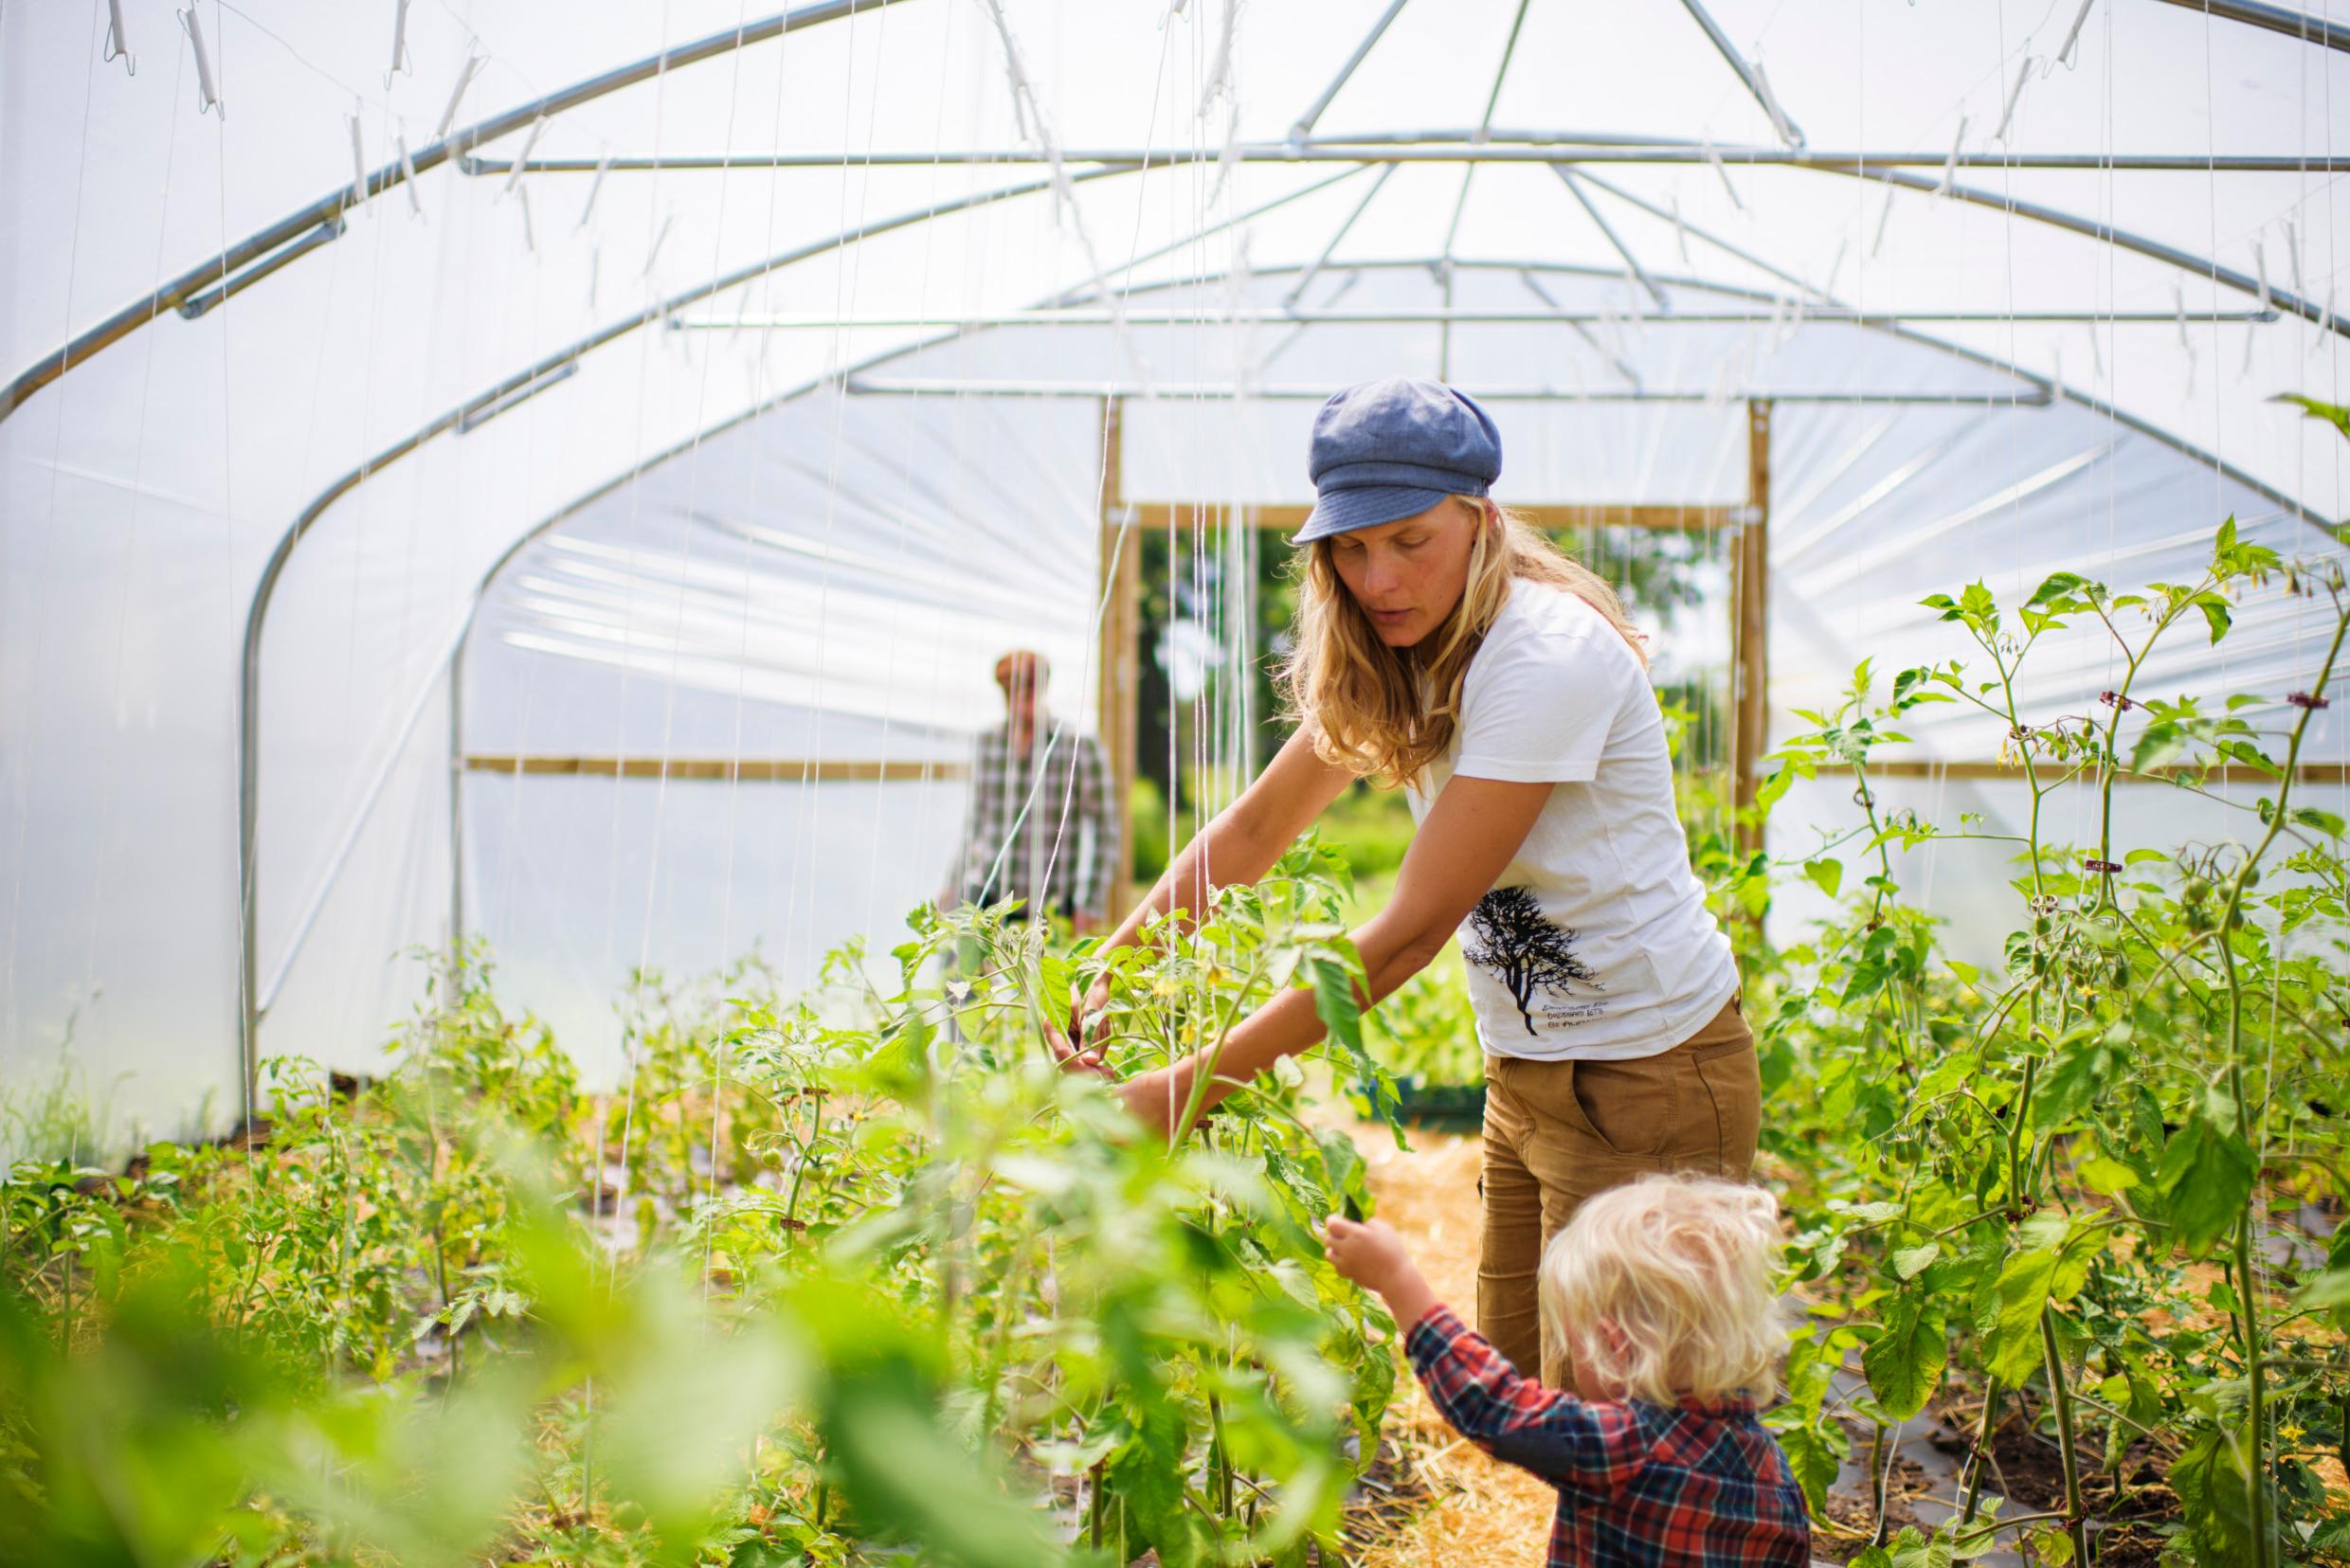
[(1558, 1131)]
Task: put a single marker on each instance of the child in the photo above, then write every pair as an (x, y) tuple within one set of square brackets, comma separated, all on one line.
[(1660, 1291)]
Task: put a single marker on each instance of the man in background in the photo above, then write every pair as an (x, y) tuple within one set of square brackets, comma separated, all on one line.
[(1044, 827)]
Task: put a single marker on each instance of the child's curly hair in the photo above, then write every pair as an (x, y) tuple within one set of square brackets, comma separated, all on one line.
[(1681, 1265)]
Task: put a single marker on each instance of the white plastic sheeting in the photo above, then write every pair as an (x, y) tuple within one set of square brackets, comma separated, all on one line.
[(835, 573)]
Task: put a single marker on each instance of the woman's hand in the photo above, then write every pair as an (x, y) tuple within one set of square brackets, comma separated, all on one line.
[(1081, 1061), (1076, 1051), (1156, 1098)]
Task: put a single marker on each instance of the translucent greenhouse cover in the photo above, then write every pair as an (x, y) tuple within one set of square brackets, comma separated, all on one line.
[(629, 453)]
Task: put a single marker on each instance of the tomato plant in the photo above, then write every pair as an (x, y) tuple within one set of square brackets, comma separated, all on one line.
[(2056, 1174)]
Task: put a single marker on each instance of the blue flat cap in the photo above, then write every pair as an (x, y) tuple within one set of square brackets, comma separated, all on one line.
[(1390, 449)]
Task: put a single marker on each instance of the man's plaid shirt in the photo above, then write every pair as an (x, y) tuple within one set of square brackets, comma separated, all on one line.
[(1699, 1484), (1042, 826)]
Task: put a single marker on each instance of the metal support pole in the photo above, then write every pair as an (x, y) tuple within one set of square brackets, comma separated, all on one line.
[(2030, 396), (1453, 147), (1501, 72), (2292, 24), (1750, 627), (234, 258), (1378, 183), (1304, 127), (1533, 286), (1738, 63), (1574, 186)]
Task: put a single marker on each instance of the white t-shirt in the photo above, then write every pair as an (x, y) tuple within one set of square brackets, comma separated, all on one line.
[(1595, 943)]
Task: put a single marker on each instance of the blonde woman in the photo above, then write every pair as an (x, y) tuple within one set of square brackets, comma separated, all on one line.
[(1443, 646)]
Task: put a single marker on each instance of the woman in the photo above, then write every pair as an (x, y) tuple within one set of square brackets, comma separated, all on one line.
[(1446, 645)]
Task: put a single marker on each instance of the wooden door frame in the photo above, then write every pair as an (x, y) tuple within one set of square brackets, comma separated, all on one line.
[(1118, 659)]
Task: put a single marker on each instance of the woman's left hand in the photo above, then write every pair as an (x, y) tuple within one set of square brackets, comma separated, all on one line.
[(1156, 1098)]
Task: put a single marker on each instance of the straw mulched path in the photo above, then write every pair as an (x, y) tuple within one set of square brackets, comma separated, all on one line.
[(1476, 1511)]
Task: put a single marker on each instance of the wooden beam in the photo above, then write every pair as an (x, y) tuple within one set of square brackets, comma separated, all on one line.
[(2318, 773), (1119, 662), (1664, 518), (1750, 625), (737, 769)]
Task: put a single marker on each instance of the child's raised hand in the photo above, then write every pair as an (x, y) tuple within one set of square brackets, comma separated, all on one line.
[(1367, 1252)]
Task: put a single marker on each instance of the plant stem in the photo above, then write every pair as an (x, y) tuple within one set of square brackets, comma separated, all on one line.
[(2247, 1289), (2076, 1519), (1970, 1475), (1877, 1484)]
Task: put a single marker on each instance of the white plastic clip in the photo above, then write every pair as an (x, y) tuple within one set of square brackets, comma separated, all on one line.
[(207, 85), (118, 41), (2325, 323), (457, 94), (2260, 267), (661, 234), (1950, 164), (604, 165), (595, 272), (1780, 123), (1714, 159), (529, 236), (514, 175), (1022, 94), (400, 60), (2292, 254), (2096, 354), (407, 173), (1219, 83), (1885, 215), (2014, 96), (2178, 308), (2072, 38), (359, 165), (1680, 231)]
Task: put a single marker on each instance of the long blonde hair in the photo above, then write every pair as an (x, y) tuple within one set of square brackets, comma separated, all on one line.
[(1680, 1264), (1388, 713)]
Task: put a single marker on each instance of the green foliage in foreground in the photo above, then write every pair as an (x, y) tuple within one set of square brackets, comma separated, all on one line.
[(878, 1277)]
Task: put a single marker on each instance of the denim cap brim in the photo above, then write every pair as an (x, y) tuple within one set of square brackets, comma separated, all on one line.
[(1365, 506)]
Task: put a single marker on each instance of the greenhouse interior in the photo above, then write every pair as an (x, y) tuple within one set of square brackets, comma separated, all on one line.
[(623, 626)]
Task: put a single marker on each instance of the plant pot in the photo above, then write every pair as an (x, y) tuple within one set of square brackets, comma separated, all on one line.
[(1439, 1108)]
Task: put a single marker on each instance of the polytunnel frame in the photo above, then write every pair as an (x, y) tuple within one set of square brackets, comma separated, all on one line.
[(314, 226), (2042, 393), (503, 395)]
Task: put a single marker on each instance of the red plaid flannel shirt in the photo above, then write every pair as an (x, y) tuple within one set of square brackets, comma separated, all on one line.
[(1693, 1485)]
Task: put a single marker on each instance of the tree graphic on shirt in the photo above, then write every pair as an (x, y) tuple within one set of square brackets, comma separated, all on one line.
[(1526, 952)]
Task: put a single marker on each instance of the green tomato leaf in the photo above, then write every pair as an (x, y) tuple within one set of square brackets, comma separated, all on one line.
[(2332, 413), (2205, 1178), (2100, 1174), (1909, 1262), (1905, 1364)]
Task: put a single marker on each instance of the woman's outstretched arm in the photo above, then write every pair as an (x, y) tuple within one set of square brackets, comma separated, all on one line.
[(1470, 836), (1243, 840)]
